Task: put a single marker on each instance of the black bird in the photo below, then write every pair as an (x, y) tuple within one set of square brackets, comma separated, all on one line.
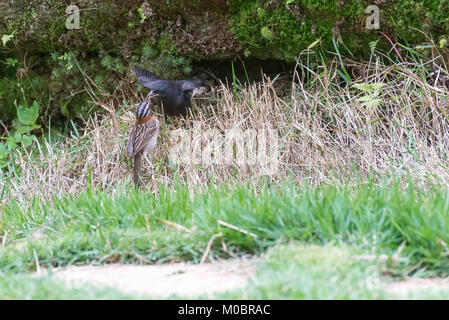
[(175, 95)]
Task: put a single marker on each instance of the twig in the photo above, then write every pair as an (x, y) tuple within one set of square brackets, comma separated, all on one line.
[(225, 248), (398, 252), (36, 259), (220, 222), (173, 225), (394, 46), (4, 239), (209, 245), (147, 223)]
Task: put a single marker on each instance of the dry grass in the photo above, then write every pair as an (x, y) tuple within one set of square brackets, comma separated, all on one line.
[(325, 134)]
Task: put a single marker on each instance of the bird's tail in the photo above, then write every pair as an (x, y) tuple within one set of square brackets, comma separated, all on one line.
[(137, 168)]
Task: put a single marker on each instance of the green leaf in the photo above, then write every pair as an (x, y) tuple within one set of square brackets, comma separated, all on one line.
[(27, 140), (361, 86), (12, 141), (376, 86), (28, 116), (364, 98), (15, 138), (25, 129), (368, 87), (345, 76), (313, 44), (3, 151), (11, 62), (6, 38), (370, 102), (141, 15), (373, 45)]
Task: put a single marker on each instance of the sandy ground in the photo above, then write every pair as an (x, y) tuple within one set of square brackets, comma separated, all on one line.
[(191, 280), (161, 281), (402, 289)]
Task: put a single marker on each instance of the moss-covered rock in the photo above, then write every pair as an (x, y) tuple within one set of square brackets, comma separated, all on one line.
[(218, 29), (166, 36)]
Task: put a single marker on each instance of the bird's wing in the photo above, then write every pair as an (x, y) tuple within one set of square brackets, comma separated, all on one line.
[(141, 135), (191, 84), (158, 86), (145, 77)]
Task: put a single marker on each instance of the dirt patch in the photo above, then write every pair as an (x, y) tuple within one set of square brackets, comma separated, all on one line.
[(403, 289), (182, 279)]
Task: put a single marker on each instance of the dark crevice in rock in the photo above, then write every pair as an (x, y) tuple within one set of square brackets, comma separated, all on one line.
[(251, 69)]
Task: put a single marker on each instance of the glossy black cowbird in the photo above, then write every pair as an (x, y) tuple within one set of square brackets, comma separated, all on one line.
[(175, 95)]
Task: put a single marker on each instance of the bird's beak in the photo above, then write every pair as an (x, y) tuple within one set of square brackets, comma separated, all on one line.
[(152, 94)]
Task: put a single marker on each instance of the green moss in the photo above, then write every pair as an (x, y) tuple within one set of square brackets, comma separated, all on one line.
[(275, 33), (163, 57), (329, 5), (267, 29), (282, 31), (261, 12), (149, 51), (428, 16), (266, 33)]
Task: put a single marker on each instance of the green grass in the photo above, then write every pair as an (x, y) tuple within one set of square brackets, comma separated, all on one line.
[(23, 286), (124, 225), (296, 271)]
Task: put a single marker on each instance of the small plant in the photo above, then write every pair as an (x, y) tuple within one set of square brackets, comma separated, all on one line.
[(141, 15), (372, 90), (6, 38), (261, 12), (11, 62), (373, 45), (23, 125), (107, 62), (112, 63), (266, 33), (149, 52), (66, 60)]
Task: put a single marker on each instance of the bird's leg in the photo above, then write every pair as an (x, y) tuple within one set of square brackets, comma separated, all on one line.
[(137, 168)]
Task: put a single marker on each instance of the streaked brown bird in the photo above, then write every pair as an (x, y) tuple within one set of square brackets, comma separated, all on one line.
[(175, 95), (143, 137)]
